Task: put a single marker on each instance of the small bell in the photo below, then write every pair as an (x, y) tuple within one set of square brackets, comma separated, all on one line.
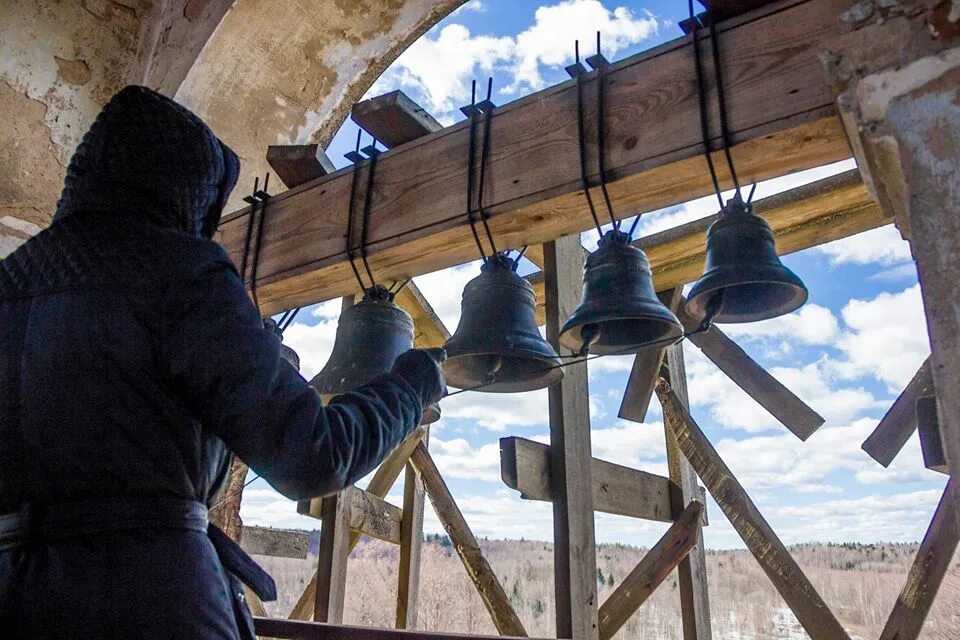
[(619, 312), (497, 343), (743, 279), (370, 336)]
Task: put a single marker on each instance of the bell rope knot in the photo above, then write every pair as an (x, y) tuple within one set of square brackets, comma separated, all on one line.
[(378, 292)]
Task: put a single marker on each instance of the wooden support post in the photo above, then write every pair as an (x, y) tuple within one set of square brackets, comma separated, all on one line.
[(332, 563), (505, 619), (656, 565), (645, 371), (383, 479), (411, 541), (899, 423), (788, 578), (934, 558), (575, 556), (525, 466), (692, 570)]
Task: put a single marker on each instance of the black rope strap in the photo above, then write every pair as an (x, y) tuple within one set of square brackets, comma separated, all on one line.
[(602, 135), (582, 147), (472, 112), (350, 206)]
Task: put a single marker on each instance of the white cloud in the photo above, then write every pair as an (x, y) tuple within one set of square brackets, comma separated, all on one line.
[(887, 338), (457, 459), (267, 508), (638, 445), (498, 411), (314, 343), (877, 246), (444, 290), (811, 324), (549, 40)]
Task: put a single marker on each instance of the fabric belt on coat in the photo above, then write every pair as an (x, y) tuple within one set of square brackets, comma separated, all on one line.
[(39, 524)]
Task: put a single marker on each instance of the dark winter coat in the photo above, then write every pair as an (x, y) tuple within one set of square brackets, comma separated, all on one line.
[(131, 363)]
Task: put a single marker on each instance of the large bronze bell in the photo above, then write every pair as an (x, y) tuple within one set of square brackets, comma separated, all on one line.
[(743, 279), (370, 336), (497, 343), (619, 312)]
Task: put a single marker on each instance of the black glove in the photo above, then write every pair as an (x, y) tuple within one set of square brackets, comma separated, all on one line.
[(421, 369)]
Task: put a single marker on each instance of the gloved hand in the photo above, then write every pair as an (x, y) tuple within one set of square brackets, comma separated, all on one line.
[(421, 369)]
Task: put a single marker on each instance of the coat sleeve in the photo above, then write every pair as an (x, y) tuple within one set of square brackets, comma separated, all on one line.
[(227, 369)]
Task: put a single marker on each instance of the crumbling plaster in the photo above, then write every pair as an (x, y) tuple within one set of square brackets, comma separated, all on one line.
[(288, 71)]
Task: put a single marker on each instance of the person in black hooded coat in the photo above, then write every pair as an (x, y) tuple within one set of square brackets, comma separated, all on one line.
[(132, 364)]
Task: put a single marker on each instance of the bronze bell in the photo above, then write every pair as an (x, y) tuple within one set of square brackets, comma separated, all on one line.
[(619, 312), (497, 343), (743, 279), (370, 336)]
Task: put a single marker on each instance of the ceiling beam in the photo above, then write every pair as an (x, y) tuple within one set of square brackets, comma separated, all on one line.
[(782, 119)]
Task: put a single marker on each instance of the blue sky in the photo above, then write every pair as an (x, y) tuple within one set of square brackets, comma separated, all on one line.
[(848, 352)]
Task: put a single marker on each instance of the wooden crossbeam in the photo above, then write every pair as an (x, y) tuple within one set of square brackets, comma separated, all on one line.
[(279, 543), (928, 428), (652, 570), (931, 564), (525, 466), (900, 421), (645, 371), (394, 118), (380, 484), (369, 515), (788, 578), (428, 329), (494, 597), (296, 164), (782, 116)]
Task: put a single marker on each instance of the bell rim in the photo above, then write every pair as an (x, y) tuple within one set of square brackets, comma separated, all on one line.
[(572, 341), (552, 374), (703, 288)]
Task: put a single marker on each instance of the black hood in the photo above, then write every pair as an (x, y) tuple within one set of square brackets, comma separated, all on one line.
[(149, 157)]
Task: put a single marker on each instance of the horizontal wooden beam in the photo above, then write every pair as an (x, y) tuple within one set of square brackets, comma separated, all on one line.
[(652, 570), (900, 421), (786, 575), (296, 630), (296, 164), (782, 119), (484, 578), (280, 543), (370, 515), (394, 118), (525, 466)]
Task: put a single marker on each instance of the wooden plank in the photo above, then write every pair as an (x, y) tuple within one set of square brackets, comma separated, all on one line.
[(411, 541), (428, 329), (928, 428), (900, 421), (692, 570), (803, 217), (296, 164), (769, 392), (525, 466), (379, 485), (782, 119), (645, 371), (933, 560), (394, 118), (295, 630), (279, 543), (495, 599), (373, 516), (332, 562), (574, 548), (652, 570), (788, 578)]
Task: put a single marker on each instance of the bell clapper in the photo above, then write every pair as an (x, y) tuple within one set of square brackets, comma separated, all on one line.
[(589, 334), (492, 374)]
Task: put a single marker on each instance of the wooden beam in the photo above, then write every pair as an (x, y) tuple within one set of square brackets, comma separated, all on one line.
[(394, 118), (411, 542), (505, 619), (933, 560), (295, 630), (645, 371), (332, 562), (769, 392), (900, 421), (296, 164), (928, 428), (782, 119), (804, 217), (279, 543), (574, 547), (428, 329), (380, 484), (788, 578), (692, 570), (656, 565), (373, 516), (525, 466)]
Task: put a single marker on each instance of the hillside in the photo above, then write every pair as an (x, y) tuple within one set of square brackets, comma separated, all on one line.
[(860, 582)]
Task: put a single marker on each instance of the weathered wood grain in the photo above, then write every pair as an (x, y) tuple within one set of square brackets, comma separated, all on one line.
[(279, 543), (505, 619), (931, 442), (296, 164), (393, 118), (411, 542), (652, 570), (332, 561), (900, 421), (788, 578)]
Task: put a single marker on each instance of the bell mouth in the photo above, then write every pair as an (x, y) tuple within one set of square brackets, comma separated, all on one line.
[(624, 336), (760, 298), (510, 373)]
